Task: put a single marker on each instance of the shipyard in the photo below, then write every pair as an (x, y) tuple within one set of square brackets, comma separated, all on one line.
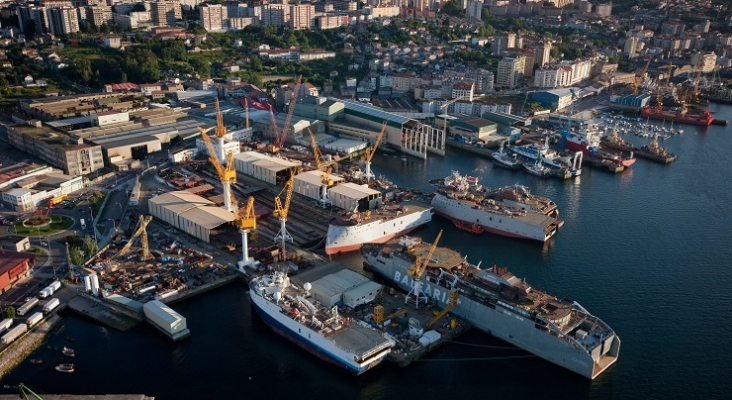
[(287, 200)]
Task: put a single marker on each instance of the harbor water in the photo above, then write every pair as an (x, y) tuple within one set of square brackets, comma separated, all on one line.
[(647, 250)]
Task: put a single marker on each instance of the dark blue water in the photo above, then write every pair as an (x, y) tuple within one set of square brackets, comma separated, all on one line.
[(648, 251)]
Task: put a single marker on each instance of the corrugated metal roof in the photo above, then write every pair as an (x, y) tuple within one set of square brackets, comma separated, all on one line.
[(353, 278), (162, 311), (379, 115), (313, 177), (208, 217), (69, 121), (353, 191)]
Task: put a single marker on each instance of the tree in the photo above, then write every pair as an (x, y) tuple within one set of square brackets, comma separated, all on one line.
[(453, 8), (76, 256), (255, 64), (90, 246), (9, 312)]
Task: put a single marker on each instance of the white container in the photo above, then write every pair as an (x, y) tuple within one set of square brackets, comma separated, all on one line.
[(34, 319), (22, 310), (56, 285), (5, 324), (53, 303), (14, 333), (44, 293), (164, 317)]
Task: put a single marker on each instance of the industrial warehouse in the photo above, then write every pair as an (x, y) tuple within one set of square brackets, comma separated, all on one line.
[(190, 213)]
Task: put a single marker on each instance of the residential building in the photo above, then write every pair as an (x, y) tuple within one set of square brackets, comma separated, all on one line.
[(99, 15), (483, 79), (275, 15), (213, 17), (463, 90), (165, 12), (604, 10), (542, 53), (630, 47), (301, 16), (510, 71), (63, 21), (553, 77), (33, 17), (474, 9), (705, 61), (504, 41)]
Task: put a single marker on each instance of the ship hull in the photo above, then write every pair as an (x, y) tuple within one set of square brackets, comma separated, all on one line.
[(307, 338), (495, 319), (342, 239), (494, 223), (700, 120)]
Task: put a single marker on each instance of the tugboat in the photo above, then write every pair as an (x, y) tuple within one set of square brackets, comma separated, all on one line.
[(656, 153), (68, 352), (468, 227), (67, 368)]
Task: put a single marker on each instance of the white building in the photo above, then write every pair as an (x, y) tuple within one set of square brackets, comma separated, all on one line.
[(463, 90), (213, 17), (510, 71), (230, 146)]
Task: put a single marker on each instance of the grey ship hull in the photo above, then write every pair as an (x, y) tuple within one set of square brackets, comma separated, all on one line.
[(502, 321)]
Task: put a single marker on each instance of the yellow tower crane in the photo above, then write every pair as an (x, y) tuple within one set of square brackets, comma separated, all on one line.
[(140, 232), (367, 174), (226, 174), (325, 179), (246, 222), (281, 211), (420, 265)]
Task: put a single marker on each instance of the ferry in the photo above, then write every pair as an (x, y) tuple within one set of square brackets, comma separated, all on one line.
[(290, 311)]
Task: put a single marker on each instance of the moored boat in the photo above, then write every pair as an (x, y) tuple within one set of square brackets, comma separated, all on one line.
[(495, 301), (464, 226), (704, 119), (502, 159), (68, 352), (655, 152), (67, 368), (537, 169), (292, 312)]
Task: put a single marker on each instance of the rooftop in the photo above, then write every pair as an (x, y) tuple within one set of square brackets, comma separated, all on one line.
[(12, 259)]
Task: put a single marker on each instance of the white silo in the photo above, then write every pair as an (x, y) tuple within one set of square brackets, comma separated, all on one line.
[(87, 284), (95, 285)]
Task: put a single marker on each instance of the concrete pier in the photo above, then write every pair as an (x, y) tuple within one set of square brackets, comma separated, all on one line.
[(103, 312)]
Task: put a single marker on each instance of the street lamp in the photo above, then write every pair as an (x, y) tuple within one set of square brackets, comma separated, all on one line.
[(94, 228), (114, 223)]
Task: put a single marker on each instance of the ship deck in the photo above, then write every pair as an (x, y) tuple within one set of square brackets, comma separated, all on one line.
[(389, 212), (359, 340), (441, 258)]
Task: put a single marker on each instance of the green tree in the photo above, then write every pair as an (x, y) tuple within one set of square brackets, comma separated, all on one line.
[(90, 246), (76, 256), (255, 64), (9, 312), (453, 8)]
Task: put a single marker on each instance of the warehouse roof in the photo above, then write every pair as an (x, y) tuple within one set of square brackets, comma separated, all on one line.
[(12, 259), (353, 191), (249, 156), (276, 164), (313, 177), (375, 113), (162, 311), (208, 217), (123, 142), (179, 202)]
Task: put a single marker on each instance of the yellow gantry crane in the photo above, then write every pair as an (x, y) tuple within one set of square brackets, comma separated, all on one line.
[(246, 223), (368, 174), (325, 179), (281, 211), (416, 271), (227, 173), (141, 232)]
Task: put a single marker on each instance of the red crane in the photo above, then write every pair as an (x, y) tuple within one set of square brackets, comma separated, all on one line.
[(280, 139)]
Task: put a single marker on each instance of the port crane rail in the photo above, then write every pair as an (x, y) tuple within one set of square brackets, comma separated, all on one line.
[(368, 174), (140, 232), (416, 271)]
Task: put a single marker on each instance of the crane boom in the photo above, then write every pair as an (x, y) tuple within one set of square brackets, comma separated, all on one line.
[(247, 220), (141, 232), (293, 100), (421, 264), (370, 153), (220, 127), (451, 303), (281, 211)]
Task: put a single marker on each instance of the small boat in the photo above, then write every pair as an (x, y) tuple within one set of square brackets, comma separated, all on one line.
[(467, 227), (502, 159), (68, 352), (537, 169), (68, 368), (36, 361)]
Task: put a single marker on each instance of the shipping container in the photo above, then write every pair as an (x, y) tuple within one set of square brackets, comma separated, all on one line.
[(164, 317), (14, 333), (34, 319), (22, 310), (44, 293), (56, 285), (5, 324), (53, 303)]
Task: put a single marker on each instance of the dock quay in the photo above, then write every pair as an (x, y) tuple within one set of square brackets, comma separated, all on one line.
[(104, 312), (480, 151), (84, 397), (14, 354)]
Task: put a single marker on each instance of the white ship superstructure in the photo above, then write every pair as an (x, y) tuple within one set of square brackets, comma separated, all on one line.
[(497, 302), (352, 230), (289, 311), (509, 211)]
